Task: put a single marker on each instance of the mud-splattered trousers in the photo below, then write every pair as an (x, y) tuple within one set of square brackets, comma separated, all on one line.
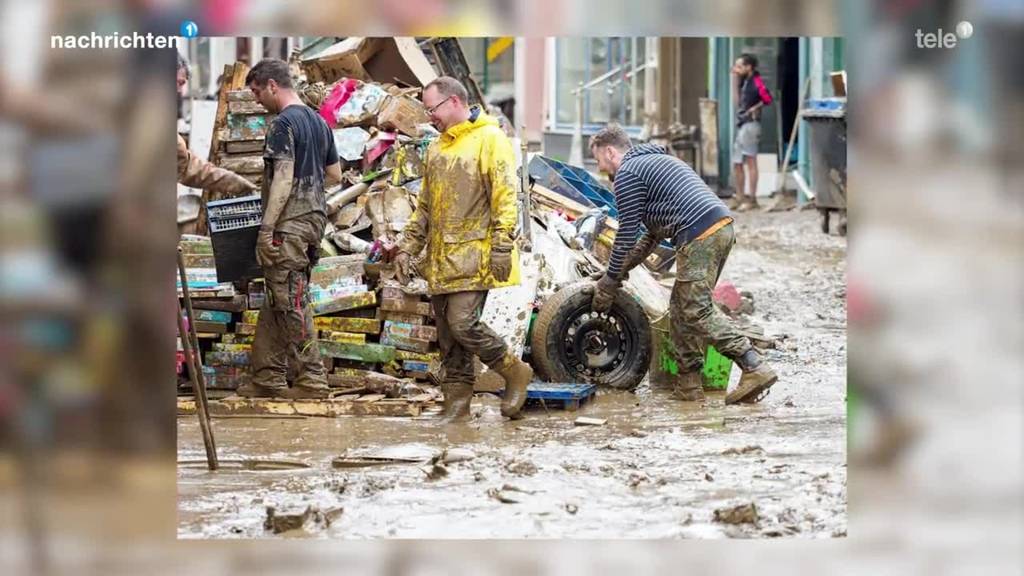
[(696, 321), (285, 332), (462, 335)]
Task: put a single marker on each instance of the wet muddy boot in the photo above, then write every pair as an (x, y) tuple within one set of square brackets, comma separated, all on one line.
[(457, 399), (757, 378), (689, 387), (517, 375), (254, 390), (736, 201)]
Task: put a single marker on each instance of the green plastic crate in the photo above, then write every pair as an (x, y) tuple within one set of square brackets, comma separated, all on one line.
[(717, 368)]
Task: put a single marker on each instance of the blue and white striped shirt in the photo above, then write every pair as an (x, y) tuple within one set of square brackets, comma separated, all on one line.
[(664, 194)]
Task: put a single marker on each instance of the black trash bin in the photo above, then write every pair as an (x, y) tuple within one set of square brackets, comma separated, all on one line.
[(826, 121)]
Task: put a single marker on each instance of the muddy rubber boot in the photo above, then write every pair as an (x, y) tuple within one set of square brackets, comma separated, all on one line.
[(736, 201), (689, 387), (517, 375), (306, 392), (757, 378), (253, 390), (457, 399)]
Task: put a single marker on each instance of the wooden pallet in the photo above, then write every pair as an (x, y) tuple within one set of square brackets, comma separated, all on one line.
[(346, 405)]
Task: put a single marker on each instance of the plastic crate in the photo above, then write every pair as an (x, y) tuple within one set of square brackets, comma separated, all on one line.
[(234, 226), (566, 395), (572, 182), (717, 369)]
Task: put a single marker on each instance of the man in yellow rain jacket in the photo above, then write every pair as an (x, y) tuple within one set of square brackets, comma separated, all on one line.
[(465, 219)]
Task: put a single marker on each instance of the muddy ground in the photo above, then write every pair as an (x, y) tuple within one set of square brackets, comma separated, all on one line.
[(657, 469)]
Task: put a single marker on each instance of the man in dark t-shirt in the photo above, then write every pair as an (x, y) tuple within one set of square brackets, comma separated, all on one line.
[(299, 156)]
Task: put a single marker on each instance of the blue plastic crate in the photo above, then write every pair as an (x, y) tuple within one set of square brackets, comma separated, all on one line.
[(569, 396), (572, 182)]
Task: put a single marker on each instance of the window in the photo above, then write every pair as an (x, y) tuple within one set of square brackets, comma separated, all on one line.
[(618, 98)]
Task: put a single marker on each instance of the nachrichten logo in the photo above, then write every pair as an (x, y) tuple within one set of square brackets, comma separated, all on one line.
[(94, 41)]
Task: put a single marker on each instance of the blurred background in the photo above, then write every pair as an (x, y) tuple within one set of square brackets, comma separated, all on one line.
[(87, 235)]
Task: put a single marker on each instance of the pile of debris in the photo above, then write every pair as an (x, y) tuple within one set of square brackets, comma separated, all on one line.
[(368, 327)]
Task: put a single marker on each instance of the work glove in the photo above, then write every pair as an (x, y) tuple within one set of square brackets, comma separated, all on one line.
[(604, 294), (266, 250), (403, 267), (501, 262)]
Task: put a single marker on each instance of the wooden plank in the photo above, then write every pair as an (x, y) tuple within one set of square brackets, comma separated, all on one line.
[(418, 356), (199, 261), (214, 327), (246, 127), (428, 333), (352, 378), (245, 329), (231, 347), (237, 339), (371, 398), (242, 95), (359, 300), (407, 307), (405, 342), (227, 358), (351, 325), (396, 293), (414, 319), (328, 408), (365, 313), (246, 107), (709, 139), (243, 164), (244, 146), (236, 303), (346, 397), (196, 245), (212, 315), (348, 337), (416, 366), (337, 274), (369, 353)]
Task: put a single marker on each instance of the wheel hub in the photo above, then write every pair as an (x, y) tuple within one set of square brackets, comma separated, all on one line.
[(595, 344)]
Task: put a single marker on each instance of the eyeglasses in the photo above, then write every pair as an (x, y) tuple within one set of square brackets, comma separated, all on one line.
[(438, 105)]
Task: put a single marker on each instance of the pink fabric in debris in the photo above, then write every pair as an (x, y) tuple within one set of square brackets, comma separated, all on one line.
[(726, 294), (342, 92), (384, 141)]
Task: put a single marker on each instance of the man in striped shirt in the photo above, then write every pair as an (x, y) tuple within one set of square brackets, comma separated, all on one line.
[(671, 201)]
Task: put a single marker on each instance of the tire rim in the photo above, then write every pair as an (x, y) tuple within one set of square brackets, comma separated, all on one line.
[(596, 347)]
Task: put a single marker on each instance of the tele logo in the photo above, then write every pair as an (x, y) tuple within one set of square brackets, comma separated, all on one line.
[(941, 39)]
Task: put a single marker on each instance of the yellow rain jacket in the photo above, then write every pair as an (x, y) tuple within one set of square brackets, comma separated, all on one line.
[(467, 204)]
